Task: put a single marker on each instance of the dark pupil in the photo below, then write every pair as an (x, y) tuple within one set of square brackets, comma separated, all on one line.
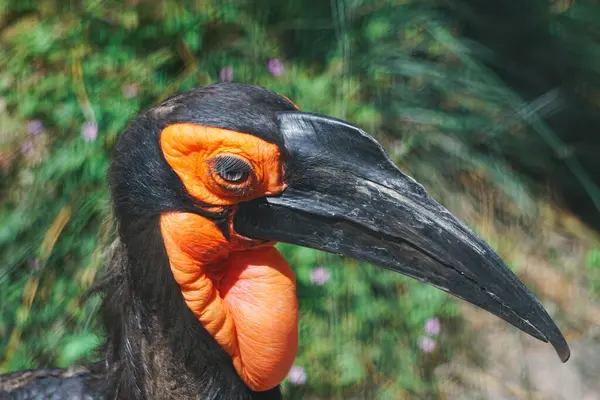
[(232, 169)]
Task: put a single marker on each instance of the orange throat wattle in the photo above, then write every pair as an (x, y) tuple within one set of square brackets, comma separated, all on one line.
[(245, 299)]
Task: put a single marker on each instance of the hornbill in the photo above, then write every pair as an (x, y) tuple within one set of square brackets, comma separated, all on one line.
[(198, 303)]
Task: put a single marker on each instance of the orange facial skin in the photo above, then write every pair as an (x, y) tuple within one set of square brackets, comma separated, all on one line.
[(241, 290)]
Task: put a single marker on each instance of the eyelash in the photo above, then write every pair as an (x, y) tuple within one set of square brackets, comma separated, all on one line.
[(231, 172)]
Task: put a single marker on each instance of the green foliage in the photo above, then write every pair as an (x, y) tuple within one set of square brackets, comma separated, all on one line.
[(77, 347), (593, 271), (361, 325)]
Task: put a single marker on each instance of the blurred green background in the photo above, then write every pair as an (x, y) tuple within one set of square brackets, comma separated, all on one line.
[(493, 106)]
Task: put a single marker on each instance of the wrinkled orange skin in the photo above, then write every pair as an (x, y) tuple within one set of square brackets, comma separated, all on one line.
[(241, 290), (188, 148)]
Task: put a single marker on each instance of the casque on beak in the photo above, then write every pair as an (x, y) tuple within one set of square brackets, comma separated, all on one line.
[(344, 195)]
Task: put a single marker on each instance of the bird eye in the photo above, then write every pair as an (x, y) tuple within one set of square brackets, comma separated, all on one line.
[(231, 169)]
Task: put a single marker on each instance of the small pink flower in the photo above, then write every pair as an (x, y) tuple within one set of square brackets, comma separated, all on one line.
[(129, 91), (320, 276), (35, 127), (89, 131), (275, 67), (226, 74), (432, 327), (297, 375), (426, 344)]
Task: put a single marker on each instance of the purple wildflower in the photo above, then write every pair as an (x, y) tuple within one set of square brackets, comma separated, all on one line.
[(226, 74), (35, 127), (426, 344), (275, 67), (432, 327), (297, 375), (129, 91), (320, 276), (89, 131)]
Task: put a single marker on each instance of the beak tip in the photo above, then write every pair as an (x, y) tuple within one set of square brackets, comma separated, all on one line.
[(562, 349), (558, 341), (560, 345), (554, 336)]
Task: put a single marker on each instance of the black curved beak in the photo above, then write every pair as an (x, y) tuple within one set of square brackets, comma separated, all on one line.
[(345, 196)]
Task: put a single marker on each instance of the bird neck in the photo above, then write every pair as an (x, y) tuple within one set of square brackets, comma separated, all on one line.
[(156, 347)]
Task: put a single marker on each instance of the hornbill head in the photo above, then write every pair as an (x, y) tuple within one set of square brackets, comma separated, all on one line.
[(228, 170)]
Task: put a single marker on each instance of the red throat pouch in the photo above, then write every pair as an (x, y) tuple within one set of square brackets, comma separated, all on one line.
[(245, 299)]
